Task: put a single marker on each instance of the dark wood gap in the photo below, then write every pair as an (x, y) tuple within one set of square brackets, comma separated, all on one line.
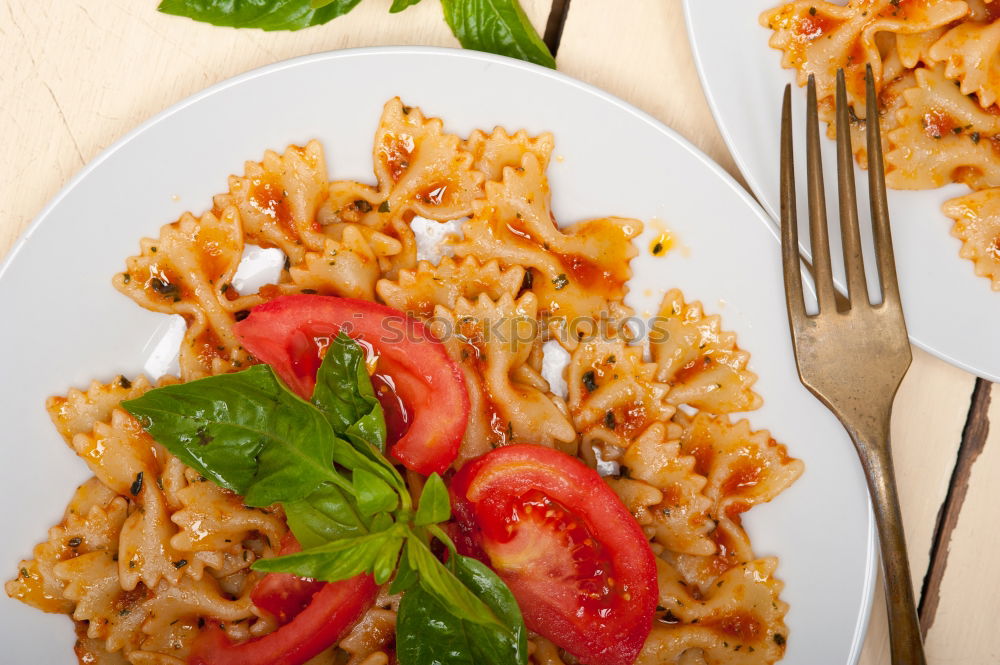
[(977, 427), (554, 25)]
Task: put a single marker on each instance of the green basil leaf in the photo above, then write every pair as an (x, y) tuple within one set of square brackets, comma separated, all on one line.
[(387, 560), (440, 582), (406, 576), (429, 631), (374, 494), (338, 560), (435, 505), (326, 514), (246, 431), (263, 14), (380, 522), (496, 26), (344, 393), (400, 5)]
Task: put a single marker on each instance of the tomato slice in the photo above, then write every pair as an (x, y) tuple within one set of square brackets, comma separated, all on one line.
[(282, 594), (575, 559), (290, 333), (332, 613)]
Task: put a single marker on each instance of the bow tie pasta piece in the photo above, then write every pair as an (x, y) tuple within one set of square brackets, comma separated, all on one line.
[(419, 291), (612, 394), (278, 198), (494, 152), (371, 640), (977, 225), (739, 621), (79, 411), (943, 136), (92, 586), (127, 620), (212, 518), (420, 169), (971, 53), (890, 101), (576, 271), (188, 271), (819, 37), (700, 362), (664, 492), (91, 523), (743, 467), (895, 79), (497, 341), (914, 48), (118, 450), (347, 267), (352, 204)]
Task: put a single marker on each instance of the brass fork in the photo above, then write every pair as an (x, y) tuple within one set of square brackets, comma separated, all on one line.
[(853, 357)]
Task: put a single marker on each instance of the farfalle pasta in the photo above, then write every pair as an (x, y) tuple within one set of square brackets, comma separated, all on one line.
[(936, 65), (150, 554)]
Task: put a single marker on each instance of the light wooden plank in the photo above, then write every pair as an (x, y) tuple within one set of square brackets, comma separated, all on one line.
[(643, 56), (78, 75), (640, 52), (965, 626), (928, 418)]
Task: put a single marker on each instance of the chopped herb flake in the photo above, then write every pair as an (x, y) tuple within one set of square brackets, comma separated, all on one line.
[(165, 289), (136, 485), (560, 281)]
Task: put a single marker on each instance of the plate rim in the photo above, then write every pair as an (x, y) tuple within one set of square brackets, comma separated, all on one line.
[(758, 190), (758, 210)]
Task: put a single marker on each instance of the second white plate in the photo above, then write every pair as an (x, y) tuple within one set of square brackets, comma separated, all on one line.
[(949, 311)]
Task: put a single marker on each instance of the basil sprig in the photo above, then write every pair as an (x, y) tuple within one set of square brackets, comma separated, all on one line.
[(347, 505), (494, 26)]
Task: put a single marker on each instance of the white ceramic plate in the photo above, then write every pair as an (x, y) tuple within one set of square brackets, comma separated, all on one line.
[(64, 324), (949, 311)]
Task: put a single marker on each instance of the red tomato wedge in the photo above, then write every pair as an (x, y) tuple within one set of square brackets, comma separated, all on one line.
[(332, 613), (282, 594), (575, 559), (290, 334)]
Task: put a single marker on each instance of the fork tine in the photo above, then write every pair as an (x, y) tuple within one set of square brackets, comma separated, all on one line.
[(880, 207), (819, 238), (857, 286), (790, 264)]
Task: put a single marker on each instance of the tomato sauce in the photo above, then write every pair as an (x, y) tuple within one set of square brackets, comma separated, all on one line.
[(746, 473), (396, 153), (740, 625), (269, 197), (937, 123)]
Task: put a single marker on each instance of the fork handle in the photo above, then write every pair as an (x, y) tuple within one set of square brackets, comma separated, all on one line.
[(904, 630)]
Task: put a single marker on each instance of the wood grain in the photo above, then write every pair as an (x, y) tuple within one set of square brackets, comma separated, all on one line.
[(925, 449), (84, 73), (974, 437), (965, 624)]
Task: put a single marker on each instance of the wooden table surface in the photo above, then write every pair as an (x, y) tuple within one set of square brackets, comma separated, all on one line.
[(77, 75)]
